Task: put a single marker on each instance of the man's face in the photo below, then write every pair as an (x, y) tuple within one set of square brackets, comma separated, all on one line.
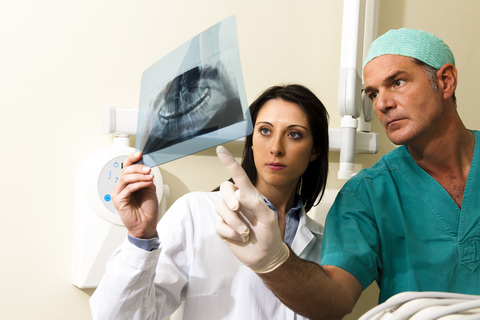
[(403, 99)]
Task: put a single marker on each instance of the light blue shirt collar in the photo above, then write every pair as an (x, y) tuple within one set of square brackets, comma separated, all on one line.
[(293, 218)]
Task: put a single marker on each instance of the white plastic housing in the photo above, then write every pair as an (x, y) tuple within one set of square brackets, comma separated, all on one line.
[(117, 120)]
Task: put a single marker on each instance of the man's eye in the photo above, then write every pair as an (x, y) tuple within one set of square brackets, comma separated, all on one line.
[(398, 83)]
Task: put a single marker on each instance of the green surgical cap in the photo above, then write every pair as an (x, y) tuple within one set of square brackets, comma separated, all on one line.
[(418, 44)]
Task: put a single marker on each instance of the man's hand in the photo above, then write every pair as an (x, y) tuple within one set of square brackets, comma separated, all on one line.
[(135, 198), (248, 226)]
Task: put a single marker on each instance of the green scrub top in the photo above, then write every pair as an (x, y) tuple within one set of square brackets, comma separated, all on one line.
[(395, 224)]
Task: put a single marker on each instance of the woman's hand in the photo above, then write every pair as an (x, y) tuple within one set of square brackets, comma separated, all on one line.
[(135, 198)]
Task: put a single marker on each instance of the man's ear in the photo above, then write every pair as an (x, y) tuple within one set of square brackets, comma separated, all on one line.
[(447, 75)]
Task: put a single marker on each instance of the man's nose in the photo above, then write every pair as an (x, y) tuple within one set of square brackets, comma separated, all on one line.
[(384, 101)]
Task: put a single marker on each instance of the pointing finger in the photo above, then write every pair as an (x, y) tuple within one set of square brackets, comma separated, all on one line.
[(234, 169), (244, 193)]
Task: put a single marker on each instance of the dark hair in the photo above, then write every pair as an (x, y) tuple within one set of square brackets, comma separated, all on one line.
[(313, 181), (432, 75)]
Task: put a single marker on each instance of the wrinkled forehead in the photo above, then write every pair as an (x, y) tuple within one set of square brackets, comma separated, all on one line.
[(418, 44)]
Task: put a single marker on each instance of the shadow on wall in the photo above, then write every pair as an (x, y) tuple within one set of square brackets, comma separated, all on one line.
[(89, 291)]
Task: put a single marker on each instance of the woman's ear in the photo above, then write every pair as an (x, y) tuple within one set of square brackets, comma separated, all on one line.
[(315, 154), (447, 74)]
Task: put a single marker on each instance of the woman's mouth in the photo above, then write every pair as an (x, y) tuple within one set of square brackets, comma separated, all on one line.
[(275, 166)]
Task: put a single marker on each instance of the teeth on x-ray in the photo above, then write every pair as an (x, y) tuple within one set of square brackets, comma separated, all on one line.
[(182, 96), (193, 103)]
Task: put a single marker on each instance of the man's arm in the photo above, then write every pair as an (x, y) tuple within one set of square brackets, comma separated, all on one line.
[(250, 229), (316, 292)]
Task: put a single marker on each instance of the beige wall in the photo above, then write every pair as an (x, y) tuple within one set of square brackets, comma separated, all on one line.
[(62, 61)]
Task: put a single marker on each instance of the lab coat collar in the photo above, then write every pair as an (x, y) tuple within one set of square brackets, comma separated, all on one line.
[(308, 231)]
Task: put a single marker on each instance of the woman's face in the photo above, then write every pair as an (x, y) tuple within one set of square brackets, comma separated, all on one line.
[(282, 144)]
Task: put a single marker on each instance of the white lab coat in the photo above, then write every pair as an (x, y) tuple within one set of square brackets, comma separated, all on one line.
[(193, 268)]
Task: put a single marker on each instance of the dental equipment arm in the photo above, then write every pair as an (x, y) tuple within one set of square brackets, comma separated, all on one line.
[(251, 231), (355, 111)]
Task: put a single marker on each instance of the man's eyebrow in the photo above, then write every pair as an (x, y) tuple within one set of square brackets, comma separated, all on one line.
[(367, 90), (393, 76), (387, 80)]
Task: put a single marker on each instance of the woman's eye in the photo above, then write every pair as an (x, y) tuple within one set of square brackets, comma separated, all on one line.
[(264, 131), (295, 135)]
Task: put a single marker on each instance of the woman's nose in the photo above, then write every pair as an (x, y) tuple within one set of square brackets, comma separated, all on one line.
[(277, 147)]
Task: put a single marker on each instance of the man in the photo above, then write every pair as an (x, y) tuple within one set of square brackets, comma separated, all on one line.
[(411, 222)]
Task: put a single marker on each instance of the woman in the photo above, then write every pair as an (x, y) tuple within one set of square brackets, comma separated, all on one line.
[(150, 277)]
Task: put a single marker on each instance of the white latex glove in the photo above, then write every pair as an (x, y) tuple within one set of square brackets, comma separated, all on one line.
[(248, 226)]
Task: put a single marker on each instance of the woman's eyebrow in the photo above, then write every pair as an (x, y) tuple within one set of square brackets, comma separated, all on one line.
[(290, 126)]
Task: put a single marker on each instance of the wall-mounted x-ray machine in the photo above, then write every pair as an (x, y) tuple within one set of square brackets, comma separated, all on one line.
[(98, 229)]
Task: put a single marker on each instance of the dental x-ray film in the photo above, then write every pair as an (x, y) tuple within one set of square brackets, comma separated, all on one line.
[(194, 98)]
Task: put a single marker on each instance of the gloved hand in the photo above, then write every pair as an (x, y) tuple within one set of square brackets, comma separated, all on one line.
[(134, 197), (248, 226)]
